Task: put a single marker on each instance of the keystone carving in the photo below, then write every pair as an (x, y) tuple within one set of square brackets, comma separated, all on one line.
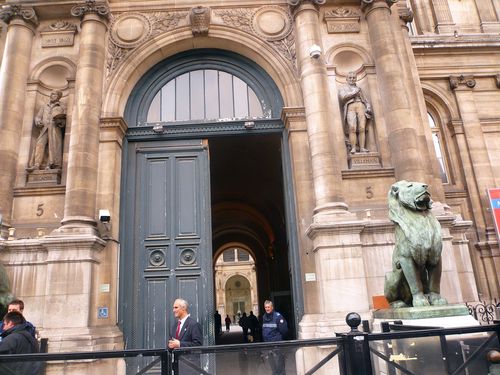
[(91, 6), (9, 12), (342, 20), (200, 20), (468, 81)]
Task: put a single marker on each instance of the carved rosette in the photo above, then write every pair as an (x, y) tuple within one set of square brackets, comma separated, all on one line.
[(458, 81), (10, 12), (91, 6), (270, 23), (131, 30), (342, 20), (200, 20)]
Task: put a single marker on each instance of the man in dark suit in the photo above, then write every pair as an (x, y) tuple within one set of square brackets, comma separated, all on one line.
[(185, 331)]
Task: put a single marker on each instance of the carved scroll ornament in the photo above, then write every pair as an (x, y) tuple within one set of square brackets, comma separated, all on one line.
[(91, 6), (9, 12)]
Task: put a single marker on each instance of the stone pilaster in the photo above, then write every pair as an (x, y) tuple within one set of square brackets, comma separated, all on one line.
[(418, 106), (442, 14), (403, 137), (81, 185), (482, 176), (488, 17), (326, 170), (13, 80)]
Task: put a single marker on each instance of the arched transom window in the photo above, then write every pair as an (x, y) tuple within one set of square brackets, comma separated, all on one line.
[(206, 95)]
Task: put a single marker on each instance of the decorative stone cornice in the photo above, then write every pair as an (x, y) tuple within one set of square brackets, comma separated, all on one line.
[(9, 12), (369, 3), (100, 8), (456, 81)]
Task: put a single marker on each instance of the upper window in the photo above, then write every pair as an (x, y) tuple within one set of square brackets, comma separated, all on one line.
[(206, 95), (438, 148)]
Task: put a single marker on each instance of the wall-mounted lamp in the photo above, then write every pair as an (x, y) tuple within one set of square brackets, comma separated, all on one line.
[(158, 129)]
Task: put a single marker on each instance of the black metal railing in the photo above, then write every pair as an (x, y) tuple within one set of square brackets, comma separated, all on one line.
[(484, 312), (398, 349)]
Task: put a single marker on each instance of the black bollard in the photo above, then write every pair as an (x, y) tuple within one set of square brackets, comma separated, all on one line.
[(355, 358)]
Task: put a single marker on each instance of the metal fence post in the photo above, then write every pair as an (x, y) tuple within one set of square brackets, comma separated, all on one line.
[(355, 359)]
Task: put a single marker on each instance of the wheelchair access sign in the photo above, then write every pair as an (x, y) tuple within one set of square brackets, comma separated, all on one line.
[(494, 197)]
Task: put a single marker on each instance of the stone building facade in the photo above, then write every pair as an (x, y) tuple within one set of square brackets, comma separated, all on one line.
[(200, 124)]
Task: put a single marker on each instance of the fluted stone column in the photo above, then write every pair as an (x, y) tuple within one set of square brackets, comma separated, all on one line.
[(482, 176), (81, 185), (444, 20), (326, 169), (488, 16), (403, 137), (13, 79), (423, 17)]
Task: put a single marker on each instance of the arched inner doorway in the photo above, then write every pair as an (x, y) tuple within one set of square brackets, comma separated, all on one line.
[(235, 283), (204, 166)]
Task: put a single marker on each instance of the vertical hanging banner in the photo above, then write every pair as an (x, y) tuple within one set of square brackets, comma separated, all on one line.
[(494, 197)]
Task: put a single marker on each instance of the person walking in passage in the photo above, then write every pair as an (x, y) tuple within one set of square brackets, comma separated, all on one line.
[(254, 325), (274, 328), (228, 323), (217, 323), (244, 325)]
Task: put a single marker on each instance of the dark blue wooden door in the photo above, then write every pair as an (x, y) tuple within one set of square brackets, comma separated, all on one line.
[(166, 250)]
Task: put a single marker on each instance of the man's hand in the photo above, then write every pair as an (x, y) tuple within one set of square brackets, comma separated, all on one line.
[(174, 343)]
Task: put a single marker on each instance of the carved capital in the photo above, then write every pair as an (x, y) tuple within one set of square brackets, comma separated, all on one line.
[(295, 3), (10, 12), (457, 81), (367, 4), (405, 14), (91, 6)]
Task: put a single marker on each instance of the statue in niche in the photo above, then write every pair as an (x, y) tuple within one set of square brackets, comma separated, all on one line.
[(357, 113), (416, 261), (51, 119)]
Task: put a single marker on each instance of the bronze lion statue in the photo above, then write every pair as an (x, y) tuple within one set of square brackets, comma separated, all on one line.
[(416, 261)]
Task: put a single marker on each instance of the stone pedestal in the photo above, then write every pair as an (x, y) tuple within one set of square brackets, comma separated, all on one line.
[(364, 160), (44, 177), (418, 314)]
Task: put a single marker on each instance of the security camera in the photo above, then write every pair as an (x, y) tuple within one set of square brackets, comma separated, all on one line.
[(315, 51), (104, 216)]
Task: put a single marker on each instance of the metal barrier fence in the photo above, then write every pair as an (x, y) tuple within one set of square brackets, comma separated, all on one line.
[(400, 350), (484, 312)]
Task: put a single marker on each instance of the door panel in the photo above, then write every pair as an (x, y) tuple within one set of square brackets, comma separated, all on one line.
[(167, 249)]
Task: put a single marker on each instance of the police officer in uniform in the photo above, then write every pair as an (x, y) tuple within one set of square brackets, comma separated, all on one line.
[(274, 328)]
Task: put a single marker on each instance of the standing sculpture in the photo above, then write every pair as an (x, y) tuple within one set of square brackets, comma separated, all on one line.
[(357, 112), (416, 261), (51, 119)]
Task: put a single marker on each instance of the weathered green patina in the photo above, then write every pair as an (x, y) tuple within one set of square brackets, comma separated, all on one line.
[(416, 261)]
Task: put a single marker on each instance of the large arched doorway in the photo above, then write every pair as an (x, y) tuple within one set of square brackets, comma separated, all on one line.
[(203, 167)]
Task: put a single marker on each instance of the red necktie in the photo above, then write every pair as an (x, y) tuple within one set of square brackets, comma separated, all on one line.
[(178, 329)]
